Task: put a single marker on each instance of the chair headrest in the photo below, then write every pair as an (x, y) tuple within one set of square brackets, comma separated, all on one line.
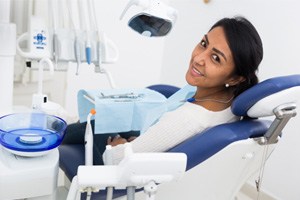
[(263, 98)]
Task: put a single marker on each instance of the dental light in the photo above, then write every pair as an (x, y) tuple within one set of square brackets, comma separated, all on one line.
[(155, 20)]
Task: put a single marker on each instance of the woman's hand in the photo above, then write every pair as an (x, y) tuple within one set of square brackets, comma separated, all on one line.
[(115, 140), (118, 140), (131, 138)]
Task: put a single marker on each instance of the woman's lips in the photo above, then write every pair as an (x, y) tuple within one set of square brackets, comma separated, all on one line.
[(196, 72)]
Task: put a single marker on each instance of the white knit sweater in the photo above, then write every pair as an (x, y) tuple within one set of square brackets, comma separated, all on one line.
[(174, 127)]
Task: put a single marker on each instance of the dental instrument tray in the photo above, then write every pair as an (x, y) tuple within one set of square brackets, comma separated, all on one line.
[(31, 134), (134, 109), (130, 95)]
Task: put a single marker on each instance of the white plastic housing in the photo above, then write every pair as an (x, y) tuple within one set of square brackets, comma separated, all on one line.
[(266, 106), (7, 53), (29, 178)]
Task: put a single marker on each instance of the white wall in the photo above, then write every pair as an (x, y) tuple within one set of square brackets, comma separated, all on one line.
[(278, 24)]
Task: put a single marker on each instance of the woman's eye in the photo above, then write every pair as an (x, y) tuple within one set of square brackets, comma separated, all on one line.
[(216, 58), (203, 43)]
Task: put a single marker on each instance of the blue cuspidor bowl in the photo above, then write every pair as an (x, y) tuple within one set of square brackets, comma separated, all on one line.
[(31, 134)]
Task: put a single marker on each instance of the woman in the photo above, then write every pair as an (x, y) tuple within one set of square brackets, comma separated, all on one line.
[(222, 66)]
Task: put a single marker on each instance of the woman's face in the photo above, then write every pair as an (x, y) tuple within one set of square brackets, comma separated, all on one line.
[(211, 65)]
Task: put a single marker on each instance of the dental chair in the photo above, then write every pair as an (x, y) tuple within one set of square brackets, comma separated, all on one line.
[(221, 159)]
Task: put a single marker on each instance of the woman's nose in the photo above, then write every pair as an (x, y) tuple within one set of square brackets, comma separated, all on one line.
[(199, 59)]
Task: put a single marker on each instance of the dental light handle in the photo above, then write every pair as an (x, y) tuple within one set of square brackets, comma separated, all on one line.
[(88, 140), (173, 13), (147, 4), (142, 3)]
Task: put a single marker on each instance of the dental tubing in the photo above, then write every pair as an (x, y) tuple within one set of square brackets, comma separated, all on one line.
[(84, 12), (76, 28), (53, 3), (77, 53)]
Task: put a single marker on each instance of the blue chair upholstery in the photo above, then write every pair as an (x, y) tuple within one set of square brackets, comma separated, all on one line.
[(265, 88), (202, 146), (166, 90), (70, 157)]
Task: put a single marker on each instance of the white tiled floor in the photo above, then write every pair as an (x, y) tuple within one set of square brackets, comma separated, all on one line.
[(242, 196), (246, 193), (63, 192)]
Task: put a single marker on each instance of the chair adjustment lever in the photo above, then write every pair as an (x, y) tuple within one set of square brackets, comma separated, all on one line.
[(283, 114)]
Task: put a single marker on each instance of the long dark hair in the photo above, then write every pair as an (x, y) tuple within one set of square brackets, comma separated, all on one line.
[(246, 47)]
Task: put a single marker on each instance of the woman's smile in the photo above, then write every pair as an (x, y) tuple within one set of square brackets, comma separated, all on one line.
[(195, 72)]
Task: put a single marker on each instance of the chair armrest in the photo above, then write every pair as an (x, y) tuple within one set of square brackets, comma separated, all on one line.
[(205, 144)]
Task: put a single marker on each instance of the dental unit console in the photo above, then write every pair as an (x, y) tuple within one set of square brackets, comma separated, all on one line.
[(39, 45)]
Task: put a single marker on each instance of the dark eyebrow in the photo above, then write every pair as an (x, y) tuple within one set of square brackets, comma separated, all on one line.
[(219, 52), (206, 38), (214, 49)]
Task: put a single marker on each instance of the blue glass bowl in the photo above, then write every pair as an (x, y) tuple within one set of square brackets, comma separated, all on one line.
[(31, 134)]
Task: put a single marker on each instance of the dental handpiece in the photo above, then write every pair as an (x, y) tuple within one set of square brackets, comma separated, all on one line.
[(88, 52), (55, 49), (77, 54)]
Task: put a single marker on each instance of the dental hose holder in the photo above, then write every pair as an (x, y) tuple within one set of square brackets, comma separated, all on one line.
[(39, 98), (37, 39)]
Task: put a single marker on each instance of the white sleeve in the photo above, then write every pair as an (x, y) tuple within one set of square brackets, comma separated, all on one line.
[(175, 127)]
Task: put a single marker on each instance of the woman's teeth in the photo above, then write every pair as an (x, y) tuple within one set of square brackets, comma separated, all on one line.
[(197, 72)]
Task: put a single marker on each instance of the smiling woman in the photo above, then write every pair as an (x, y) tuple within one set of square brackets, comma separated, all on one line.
[(225, 62), (222, 65)]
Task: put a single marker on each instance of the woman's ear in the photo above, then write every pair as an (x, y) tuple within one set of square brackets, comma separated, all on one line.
[(236, 80)]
